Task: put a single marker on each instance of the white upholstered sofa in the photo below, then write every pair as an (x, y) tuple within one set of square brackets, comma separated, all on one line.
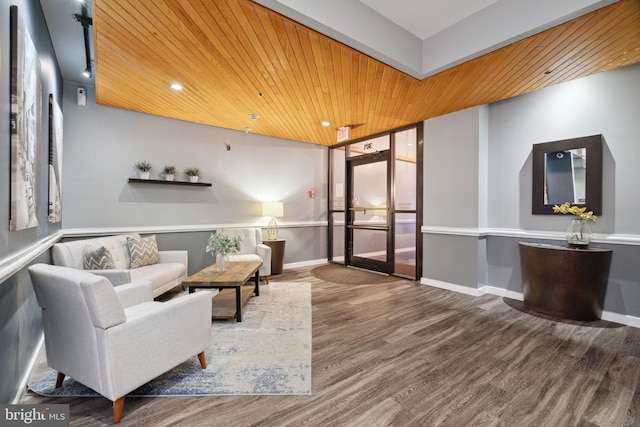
[(168, 272)]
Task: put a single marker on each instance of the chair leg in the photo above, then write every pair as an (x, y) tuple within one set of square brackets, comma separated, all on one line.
[(59, 380), (266, 280), (203, 361), (118, 405)]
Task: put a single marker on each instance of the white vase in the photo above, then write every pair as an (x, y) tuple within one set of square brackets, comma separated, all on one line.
[(222, 262), (194, 178), (144, 174), (169, 177), (579, 233)]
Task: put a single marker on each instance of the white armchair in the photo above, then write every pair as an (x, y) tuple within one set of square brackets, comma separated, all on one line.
[(251, 248), (115, 339)]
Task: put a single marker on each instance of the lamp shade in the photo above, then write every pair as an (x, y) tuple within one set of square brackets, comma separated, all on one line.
[(273, 209)]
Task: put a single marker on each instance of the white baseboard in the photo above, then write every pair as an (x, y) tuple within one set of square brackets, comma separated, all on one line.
[(451, 287), (621, 318), (305, 263), (502, 292), (609, 316), (22, 389)]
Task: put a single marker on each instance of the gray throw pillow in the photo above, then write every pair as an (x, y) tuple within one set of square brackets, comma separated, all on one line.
[(97, 258), (143, 251)]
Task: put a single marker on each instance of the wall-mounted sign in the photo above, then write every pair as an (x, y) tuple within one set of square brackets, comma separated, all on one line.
[(344, 133)]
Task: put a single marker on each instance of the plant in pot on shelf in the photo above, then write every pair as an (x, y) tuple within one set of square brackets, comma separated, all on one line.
[(193, 174), (143, 168), (579, 233), (169, 173), (222, 245)]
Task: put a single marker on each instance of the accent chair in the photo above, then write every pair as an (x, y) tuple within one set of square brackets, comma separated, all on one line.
[(115, 339), (251, 249)]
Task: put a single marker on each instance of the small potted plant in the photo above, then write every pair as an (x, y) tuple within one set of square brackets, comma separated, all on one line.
[(143, 168), (169, 173), (193, 174), (222, 245)]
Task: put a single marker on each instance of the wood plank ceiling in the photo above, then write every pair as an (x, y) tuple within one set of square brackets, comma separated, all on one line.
[(227, 52)]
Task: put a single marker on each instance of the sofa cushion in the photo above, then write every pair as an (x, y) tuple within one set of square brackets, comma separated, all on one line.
[(244, 258), (69, 254), (159, 274), (97, 258), (143, 251)]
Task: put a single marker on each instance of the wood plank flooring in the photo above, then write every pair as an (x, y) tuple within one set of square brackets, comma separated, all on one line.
[(404, 354)]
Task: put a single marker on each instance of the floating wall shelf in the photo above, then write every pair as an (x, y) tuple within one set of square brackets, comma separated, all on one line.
[(162, 181)]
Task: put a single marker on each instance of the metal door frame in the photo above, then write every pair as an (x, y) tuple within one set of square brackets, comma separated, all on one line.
[(351, 259)]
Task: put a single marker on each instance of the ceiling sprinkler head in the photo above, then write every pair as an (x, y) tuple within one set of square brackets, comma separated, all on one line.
[(247, 130)]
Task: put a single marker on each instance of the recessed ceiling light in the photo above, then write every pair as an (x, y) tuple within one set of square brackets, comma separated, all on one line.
[(176, 86), (254, 116), (326, 123)]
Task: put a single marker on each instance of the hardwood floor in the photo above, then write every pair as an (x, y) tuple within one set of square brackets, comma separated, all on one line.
[(405, 354)]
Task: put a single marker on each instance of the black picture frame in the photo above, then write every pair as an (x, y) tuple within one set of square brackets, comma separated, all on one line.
[(594, 149)]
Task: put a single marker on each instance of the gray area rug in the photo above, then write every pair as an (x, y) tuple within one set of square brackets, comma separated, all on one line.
[(269, 352)]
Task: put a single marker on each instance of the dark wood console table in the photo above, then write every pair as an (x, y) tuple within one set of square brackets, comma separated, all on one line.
[(564, 282)]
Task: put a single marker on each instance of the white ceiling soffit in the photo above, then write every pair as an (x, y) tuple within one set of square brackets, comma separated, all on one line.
[(424, 18), (466, 28)]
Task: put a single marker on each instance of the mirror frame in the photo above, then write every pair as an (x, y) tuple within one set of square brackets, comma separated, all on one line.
[(593, 145)]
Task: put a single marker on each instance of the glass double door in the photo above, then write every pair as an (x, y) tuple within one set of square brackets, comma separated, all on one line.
[(375, 213), (368, 222)]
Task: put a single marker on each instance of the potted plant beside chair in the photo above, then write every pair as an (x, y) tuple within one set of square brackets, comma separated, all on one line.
[(169, 173), (143, 168), (193, 174)]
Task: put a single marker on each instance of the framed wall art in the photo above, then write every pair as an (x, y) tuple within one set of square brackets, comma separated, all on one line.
[(25, 122)]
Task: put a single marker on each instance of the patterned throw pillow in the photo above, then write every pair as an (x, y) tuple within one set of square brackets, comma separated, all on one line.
[(143, 251), (97, 258)]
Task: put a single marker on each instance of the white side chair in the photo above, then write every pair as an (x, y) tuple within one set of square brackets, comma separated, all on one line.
[(115, 339), (251, 249)]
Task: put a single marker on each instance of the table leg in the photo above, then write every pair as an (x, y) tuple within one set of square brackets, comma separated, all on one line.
[(191, 289), (239, 304), (257, 288)]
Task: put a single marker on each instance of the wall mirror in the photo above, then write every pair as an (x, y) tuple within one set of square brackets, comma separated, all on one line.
[(568, 171)]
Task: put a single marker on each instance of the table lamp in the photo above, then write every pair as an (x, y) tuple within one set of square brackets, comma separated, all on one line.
[(274, 210)]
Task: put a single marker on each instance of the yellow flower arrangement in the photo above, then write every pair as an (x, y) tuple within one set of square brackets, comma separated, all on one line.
[(581, 213)]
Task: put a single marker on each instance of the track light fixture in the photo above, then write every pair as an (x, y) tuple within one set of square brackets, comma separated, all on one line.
[(85, 21)]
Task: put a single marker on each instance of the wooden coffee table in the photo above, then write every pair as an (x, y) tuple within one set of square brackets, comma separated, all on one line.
[(235, 277)]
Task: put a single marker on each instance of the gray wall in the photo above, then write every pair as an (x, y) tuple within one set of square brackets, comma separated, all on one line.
[(451, 169), (455, 180), (103, 143), (606, 103), (20, 320)]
